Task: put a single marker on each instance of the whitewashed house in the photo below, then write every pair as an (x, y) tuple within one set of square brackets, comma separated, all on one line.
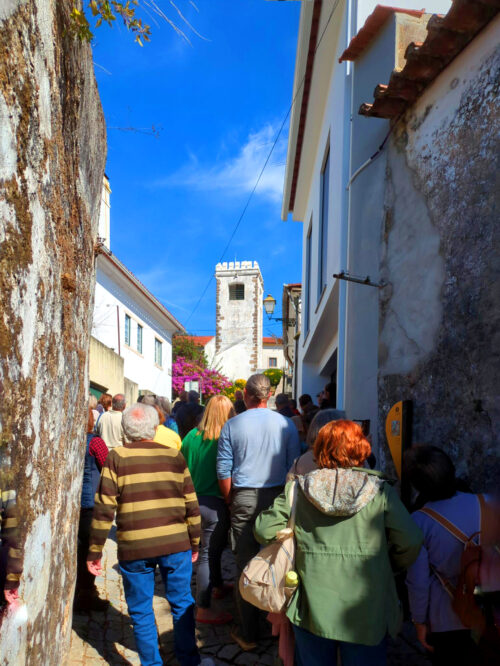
[(341, 211), (131, 346), (383, 170)]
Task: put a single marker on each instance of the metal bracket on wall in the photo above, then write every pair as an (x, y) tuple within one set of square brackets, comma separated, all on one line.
[(344, 275)]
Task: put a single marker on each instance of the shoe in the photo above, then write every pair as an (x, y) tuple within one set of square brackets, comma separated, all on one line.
[(244, 645), (221, 592), (222, 617), (207, 661)]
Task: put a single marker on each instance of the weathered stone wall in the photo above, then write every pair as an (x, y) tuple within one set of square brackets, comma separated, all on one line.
[(440, 313), (52, 152), (238, 339)]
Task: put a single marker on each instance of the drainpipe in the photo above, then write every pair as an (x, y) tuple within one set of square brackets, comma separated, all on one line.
[(344, 239), (118, 328)]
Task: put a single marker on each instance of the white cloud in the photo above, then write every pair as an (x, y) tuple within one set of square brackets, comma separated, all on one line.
[(238, 174)]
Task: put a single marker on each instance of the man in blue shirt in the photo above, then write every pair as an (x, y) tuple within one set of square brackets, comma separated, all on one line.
[(255, 451)]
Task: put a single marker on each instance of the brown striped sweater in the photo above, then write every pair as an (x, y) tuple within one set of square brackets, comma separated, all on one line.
[(9, 540), (149, 487)]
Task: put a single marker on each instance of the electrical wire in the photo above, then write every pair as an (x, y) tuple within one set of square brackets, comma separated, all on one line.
[(250, 197)]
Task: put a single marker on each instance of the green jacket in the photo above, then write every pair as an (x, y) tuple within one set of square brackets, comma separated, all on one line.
[(352, 532)]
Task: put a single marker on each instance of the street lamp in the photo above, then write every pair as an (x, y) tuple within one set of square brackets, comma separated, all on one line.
[(269, 305)]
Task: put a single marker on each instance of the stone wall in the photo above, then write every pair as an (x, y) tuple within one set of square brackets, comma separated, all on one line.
[(440, 311), (52, 143), (238, 339)]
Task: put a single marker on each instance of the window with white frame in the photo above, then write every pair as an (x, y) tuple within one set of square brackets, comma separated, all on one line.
[(128, 323), (323, 224), (139, 338), (273, 362), (158, 352)]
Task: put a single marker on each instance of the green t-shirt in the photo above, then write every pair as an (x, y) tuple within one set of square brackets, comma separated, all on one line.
[(201, 457)]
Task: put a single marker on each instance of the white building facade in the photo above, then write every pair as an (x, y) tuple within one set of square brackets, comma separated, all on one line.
[(237, 349), (341, 209), (129, 320)]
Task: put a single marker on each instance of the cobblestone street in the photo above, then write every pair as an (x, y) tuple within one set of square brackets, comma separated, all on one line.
[(107, 638)]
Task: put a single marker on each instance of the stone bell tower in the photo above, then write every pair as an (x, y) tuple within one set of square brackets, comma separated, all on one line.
[(238, 336)]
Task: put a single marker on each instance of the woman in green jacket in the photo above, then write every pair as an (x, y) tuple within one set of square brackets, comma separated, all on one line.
[(352, 534), (199, 448)]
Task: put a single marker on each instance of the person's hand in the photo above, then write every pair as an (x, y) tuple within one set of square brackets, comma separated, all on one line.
[(194, 556), (95, 567), (11, 597), (422, 635)]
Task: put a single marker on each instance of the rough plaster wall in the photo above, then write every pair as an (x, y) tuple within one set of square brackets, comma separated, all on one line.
[(52, 152), (440, 314), (238, 341)]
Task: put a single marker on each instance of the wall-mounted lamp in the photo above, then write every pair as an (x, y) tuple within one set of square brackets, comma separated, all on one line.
[(269, 305)]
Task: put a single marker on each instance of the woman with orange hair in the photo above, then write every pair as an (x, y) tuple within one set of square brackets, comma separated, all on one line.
[(352, 532), (199, 448)]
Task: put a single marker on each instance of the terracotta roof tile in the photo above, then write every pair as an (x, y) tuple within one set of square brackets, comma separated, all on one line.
[(446, 37), (200, 340), (372, 27), (272, 341)]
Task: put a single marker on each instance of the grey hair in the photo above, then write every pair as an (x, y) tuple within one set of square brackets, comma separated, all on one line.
[(118, 402), (140, 422), (164, 404), (148, 400), (320, 419), (92, 401), (258, 387)]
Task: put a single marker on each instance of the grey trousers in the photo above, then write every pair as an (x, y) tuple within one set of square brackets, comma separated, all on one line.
[(246, 504)]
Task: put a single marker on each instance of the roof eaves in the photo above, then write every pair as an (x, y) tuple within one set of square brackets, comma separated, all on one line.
[(373, 24), (111, 258), (446, 37), (311, 52)]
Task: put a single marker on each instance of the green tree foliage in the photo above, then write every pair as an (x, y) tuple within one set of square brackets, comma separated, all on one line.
[(185, 347), (274, 375), (107, 11), (239, 384)]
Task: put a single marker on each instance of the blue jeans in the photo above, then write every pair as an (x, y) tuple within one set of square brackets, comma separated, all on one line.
[(139, 583), (312, 650), (214, 534)]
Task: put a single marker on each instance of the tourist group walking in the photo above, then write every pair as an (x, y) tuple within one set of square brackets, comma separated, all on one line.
[(184, 483)]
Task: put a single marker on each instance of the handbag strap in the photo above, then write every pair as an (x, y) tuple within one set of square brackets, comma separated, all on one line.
[(293, 504), (447, 524), (453, 529)]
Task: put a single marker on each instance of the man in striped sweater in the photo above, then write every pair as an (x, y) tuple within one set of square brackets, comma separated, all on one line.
[(149, 488)]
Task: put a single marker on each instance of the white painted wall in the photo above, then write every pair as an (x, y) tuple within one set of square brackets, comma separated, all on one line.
[(104, 232), (273, 351), (140, 368), (239, 322), (344, 321)]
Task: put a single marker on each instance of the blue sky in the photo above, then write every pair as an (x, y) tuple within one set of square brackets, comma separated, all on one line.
[(218, 104)]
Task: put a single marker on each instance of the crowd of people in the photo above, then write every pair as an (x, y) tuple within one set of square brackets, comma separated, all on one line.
[(182, 482)]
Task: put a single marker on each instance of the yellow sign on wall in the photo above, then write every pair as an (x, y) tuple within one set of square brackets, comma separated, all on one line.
[(394, 434)]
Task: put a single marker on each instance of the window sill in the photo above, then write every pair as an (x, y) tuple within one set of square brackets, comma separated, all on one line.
[(160, 367), (133, 350), (320, 299)]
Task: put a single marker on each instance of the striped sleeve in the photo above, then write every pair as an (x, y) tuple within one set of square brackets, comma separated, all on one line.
[(193, 518), (105, 504), (10, 537)]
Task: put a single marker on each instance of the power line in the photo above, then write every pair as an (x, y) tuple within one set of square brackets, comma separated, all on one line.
[(250, 197)]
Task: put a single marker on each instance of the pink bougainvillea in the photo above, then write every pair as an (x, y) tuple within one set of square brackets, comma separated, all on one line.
[(211, 381)]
